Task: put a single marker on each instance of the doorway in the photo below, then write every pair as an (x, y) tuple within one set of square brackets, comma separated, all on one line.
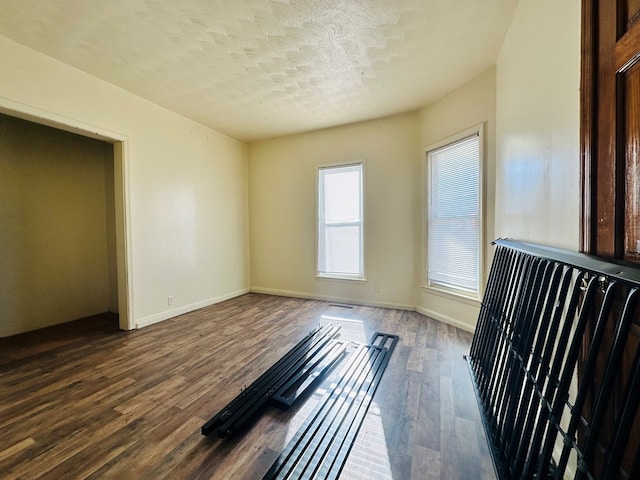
[(113, 246)]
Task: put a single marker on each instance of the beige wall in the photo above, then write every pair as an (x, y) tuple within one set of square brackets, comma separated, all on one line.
[(282, 192), (538, 112), (55, 264), (190, 187), (472, 104), (187, 184)]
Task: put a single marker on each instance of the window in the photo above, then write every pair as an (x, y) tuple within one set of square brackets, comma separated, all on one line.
[(340, 222), (453, 214)]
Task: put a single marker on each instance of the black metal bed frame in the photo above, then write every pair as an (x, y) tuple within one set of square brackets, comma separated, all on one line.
[(283, 383), (546, 311)]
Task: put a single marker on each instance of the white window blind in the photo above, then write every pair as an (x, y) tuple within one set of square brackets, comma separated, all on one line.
[(453, 222), (340, 224)]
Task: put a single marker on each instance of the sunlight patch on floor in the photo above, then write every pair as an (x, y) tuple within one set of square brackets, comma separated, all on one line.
[(350, 329), (369, 457)]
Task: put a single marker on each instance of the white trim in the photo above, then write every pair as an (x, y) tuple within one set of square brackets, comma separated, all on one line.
[(328, 298), (121, 182), (445, 319), (454, 295), (362, 162), (349, 301), (475, 130), (50, 119), (467, 132), (337, 276), (123, 234), (159, 317)]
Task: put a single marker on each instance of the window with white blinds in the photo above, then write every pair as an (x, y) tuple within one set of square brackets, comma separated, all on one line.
[(453, 218), (340, 222)]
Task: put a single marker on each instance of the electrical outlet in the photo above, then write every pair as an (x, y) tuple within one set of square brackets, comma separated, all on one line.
[(170, 300), (378, 288)]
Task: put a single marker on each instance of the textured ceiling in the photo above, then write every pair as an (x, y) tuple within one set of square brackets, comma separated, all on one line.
[(255, 69)]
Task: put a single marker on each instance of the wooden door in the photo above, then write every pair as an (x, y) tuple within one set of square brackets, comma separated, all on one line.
[(610, 144), (610, 133)]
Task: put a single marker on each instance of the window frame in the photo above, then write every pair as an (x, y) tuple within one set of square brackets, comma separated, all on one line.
[(343, 276), (427, 284)]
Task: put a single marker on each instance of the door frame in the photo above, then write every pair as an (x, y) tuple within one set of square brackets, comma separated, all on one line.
[(587, 127), (120, 144)]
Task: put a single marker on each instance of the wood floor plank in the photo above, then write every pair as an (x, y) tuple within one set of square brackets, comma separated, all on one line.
[(16, 448), (426, 464), (159, 441), (85, 400)]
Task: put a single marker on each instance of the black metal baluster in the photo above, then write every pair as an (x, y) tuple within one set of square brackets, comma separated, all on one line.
[(508, 330), (497, 275), (556, 303), (589, 367), (522, 353), (496, 315), (612, 366), (494, 296), (508, 387), (624, 420), (529, 395), (555, 355), (567, 366)]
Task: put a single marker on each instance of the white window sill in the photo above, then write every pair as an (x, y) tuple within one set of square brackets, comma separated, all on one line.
[(457, 295), (335, 276)]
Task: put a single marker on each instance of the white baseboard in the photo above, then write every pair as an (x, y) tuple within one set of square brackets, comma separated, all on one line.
[(445, 319), (327, 298), (159, 317)]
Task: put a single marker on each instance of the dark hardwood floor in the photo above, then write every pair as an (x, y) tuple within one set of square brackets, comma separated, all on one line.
[(85, 400)]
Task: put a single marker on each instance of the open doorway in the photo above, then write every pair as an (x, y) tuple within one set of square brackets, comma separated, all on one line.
[(64, 219)]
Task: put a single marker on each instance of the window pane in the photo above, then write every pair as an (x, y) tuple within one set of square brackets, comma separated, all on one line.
[(457, 264), (342, 250), (453, 230), (342, 194)]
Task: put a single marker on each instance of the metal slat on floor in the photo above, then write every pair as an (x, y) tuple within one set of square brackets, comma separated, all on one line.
[(246, 405), (315, 370), (280, 376), (340, 450), (320, 447), (303, 438)]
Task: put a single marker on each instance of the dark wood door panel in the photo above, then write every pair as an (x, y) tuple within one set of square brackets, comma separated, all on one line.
[(610, 132), (631, 144), (626, 48), (630, 12)]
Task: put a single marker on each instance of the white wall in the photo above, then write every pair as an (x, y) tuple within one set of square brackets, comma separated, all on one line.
[(538, 113), (538, 126), (282, 192), (55, 264), (471, 104), (188, 200)]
